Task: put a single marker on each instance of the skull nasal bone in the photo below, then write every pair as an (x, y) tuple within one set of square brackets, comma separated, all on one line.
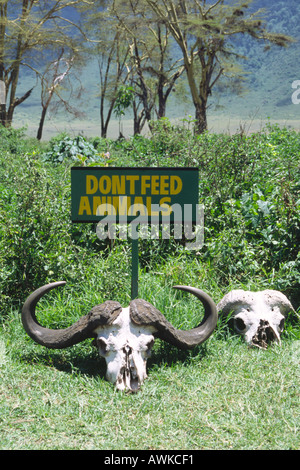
[(264, 335), (127, 350)]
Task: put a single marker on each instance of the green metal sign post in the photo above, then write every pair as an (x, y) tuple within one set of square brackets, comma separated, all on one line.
[(134, 269), (117, 195)]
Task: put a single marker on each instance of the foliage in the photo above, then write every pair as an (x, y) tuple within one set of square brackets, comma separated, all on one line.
[(124, 99), (38, 243), (250, 186), (33, 238), (72, 150), (30, 34), (13, 141)]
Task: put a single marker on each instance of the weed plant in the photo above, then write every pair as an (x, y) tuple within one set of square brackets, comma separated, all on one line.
[(221, 395)]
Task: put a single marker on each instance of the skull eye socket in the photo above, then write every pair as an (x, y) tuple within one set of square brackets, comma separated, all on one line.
[(239, 324), (149, 347), (281, 324), (102, 346)]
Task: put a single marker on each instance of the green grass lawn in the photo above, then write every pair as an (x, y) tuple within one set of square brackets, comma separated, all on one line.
[(222, 395)]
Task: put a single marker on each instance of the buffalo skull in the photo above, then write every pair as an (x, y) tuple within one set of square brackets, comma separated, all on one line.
[(257, 316), (124, 336)]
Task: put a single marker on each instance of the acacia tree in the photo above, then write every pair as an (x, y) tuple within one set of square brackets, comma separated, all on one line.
[(144, 96), (153, 70), (111, 52), (112, 58), (52, 80), (29, 30), (153, 75), (203, 31)]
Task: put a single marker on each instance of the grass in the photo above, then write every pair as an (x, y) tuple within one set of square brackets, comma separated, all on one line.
[(221, 395), (229, 397)]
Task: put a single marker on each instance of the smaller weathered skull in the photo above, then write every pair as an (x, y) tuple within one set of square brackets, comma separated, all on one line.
[(258, 316), (126, 348)]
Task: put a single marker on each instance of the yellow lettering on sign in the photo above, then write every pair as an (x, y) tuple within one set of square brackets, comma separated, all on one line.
[(148, 204), (167, 210), (138, 206), (91, 184), (121, 203), (118, 184), (164, 184), (105, 207), (96, 204), (84, 206), (145, 183), (175, 184), (105, 184), (132, 179), (101, 208), (155, 184)]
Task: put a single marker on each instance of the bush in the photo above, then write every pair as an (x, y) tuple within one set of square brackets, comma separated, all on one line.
[(78, 150), (250, 187), (36, 244), (13, 141)]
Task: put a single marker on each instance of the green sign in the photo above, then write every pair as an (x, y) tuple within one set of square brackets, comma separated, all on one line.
[(126, 193)]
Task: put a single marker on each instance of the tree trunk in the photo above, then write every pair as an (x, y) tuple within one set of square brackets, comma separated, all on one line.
[(138, 119), (104, 122), (3, 115), (200, 117), (162, 101), (41, 125)]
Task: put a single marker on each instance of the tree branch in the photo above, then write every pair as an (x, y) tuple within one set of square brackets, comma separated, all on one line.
[(24, 97)]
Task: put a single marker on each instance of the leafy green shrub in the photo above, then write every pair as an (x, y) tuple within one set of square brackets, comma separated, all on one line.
[(249, 185), (36, 244), (14, 141), (77, 150)]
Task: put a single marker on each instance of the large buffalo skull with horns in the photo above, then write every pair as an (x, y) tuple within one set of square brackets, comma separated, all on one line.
[(124, 336), (257, 316)]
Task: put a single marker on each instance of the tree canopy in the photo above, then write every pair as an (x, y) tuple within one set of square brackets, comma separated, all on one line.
[(147, 45), (31, 32), (203, 31)]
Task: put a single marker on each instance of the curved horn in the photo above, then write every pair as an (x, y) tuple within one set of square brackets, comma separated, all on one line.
[(144, 313), (84, 328)]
